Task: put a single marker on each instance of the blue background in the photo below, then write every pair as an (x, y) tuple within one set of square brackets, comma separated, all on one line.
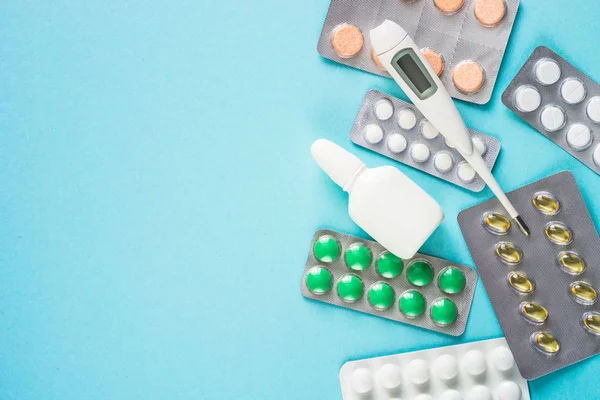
[(157, 197)]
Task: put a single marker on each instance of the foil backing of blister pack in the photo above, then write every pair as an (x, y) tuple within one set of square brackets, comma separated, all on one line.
[(413, 136), (550, 95), (456, 37), (400, 284), (540, 264)]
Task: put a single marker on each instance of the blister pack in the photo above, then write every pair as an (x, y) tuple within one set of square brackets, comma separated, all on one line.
[(396, 129), (542, 287), (483, 370), (560, 102), (362, 275), (463, 40)]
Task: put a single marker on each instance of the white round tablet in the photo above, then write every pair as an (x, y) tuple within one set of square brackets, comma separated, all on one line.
[(596, 155), (373, 133), (396, 143), (384, 109), (443, 161), (547, 71), (479, 392), (445, 367), (389, 376), (451, 394), (466, 173), (572, 91), (449, 144), (508, 390), (419, 152), (418, 372), (579, 137), (593, 109), (502, 358), (428, 131), (362, 381), (407, 119), (479, 145), (423, 396), (474, 363), (527, 98), (552, 118)]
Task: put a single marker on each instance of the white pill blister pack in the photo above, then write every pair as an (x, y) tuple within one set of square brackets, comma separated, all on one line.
[(483, 370), (560, 102), (396, 129), (463, 40)]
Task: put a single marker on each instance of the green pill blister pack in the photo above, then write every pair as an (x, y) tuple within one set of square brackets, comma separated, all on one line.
[(362, 275)]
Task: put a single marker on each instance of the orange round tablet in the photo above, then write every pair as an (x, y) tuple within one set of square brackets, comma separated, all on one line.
[(489, 12), (376, 60), (449, 6), (468, 76), (434, 59), (347, 40)]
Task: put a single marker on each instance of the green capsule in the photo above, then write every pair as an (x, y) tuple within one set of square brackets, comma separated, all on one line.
[(571, 263), (496, 223), (420, 273), (509, 253), (350, 288), (358, 257), (451, 280), (381, 296), (388, 265), (520, 283), (545, 343), (319, 280), (443, 312), (583, 293), (591, 322), (412, 304), (326, 249), (546, 203), (558, 233), (533, 312)]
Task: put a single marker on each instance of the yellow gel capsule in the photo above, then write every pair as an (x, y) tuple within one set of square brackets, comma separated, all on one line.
[(533, 312), (591, 322), (571, 263), (545, 342), (583, 293), (558, 233), (546, 203), (520, 283), (509, 253), (496, 223)]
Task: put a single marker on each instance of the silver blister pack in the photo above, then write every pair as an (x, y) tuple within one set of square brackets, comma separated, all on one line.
[(542, 287), (456, 38), (548, 88), (362, 275), (396, 129)]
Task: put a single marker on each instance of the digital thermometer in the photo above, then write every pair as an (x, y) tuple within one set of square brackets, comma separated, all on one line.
[(403, 60)]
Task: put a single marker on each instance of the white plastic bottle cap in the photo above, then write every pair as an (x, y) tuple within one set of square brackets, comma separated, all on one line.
[(373, 133), (443, 161), (428, 131), (479, 392), (527, 98), (508, 390), (445, 367), (553, 118), (547, 71), (418, 372), (407, 119), (396, 143), (579, 137), (502, 358), (362, 381), (389, 376), (384, 109), (479, 145), (596, 155), (593, 109), (572, 91), (338, 163), (451, 394), (419, 152), (466, 173), (474, 363)]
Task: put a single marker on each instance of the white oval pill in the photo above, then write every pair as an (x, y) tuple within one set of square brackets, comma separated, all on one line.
[(479, 392), (479, 145), (547, 71), (396, 143), (527, 98), (418, 372), (384, 109), (373, 133), (508, 390), (419, 152), (428, 131), (445, 367), (502, 358), (572, 91), (407, 119), (465, 172), (474, 363), (593, 109), (389, 376), (362, 381), (443, 161), (579, 137), (451, 394), (596, 155), (552, 118)]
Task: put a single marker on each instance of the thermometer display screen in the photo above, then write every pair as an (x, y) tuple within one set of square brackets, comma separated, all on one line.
[(414, 73)]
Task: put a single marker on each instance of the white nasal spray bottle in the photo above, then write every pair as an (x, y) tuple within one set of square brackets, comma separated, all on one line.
[(383, 201)]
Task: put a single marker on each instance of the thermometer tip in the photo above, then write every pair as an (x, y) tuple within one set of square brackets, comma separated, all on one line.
[(522, 225)]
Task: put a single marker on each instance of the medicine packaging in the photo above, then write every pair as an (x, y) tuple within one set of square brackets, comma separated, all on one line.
[(543, 287)]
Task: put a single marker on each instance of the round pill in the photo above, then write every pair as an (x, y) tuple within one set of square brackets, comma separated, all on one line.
[(593, 109), (451, 394), (445, 367), (443, 312), (443, 161), (552, 118), (466, 173), (423, 396), (596, 155), (389, 266), (449, 6), (373, 133), (527, 98), (376, 60), (419, 273), (572, 91), (318, 280), (428, 131), (479, 392), (326, 249), (579, 137), (384, 109), (468, 76), (407, 119), (350, 288), (389, 376), (479, 145), (362, 381), (419, 152), (412, 304), (396, 143), (474, 363), (381, 296), (502, 358), (347, 40), (435, 60), (508, 390), (489, 12), (547, 71), (418, 372), (358, 257), (452, 280), (449, 144)]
